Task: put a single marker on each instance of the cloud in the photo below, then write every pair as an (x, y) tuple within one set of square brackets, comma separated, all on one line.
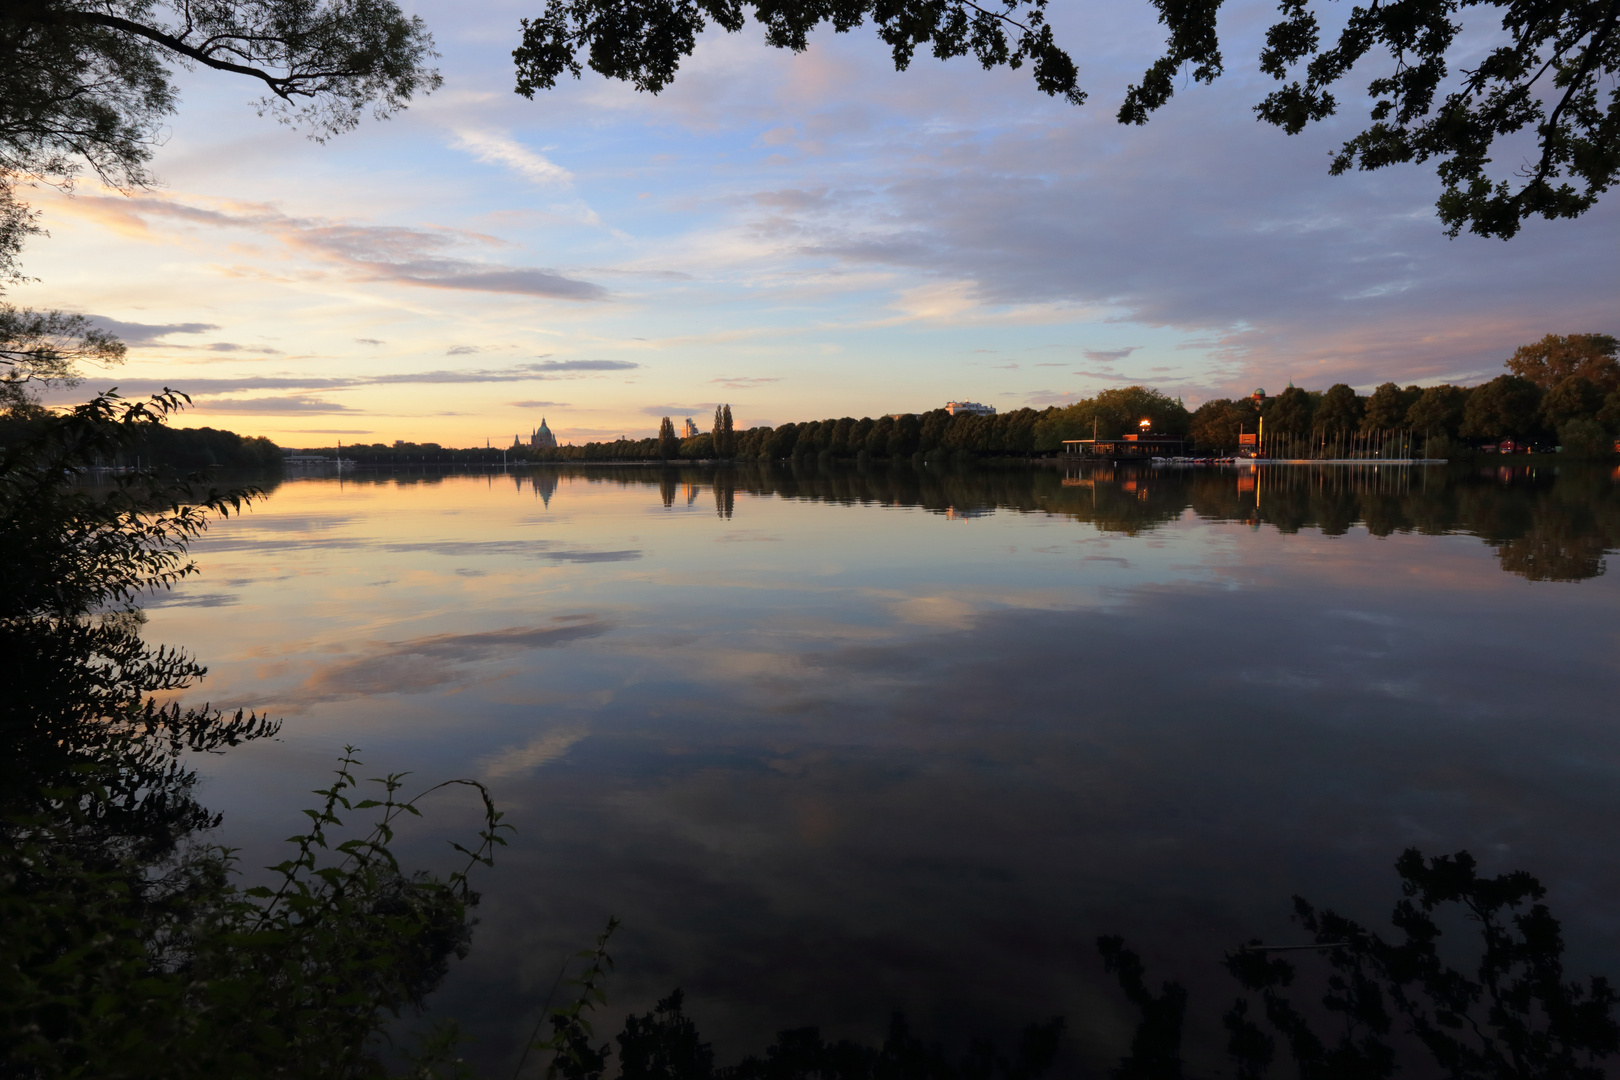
[(584, 365), (333, 431), (1108, 356), (138, 334), (529, 372), (231, 346), (164, 599), (492, 148), (422, 664), (539, 404), (390, 254), (269, 405), (462, 548), (678, 410), (1109, 376), (534, 549), (535, 371), (369, 341), (1053, 397), (743, 382), (591, 556), (1204, 224), (463, 350), (539, 752)]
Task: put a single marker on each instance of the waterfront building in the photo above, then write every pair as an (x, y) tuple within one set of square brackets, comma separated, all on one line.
[(1141, 443), (972, 408)]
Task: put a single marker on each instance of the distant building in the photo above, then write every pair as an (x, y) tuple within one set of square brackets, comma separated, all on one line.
[(688, 429), (543, 439), (972, 408)]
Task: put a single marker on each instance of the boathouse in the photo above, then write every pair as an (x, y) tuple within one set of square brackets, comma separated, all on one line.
[(1136, 444)]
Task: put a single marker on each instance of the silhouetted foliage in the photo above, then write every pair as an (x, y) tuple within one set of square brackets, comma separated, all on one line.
[(1509, 1013), (129, 946), (1507, 406), (1216, 425), (1438, 411), (1156, 1047), (665, 1044), (1340, 409), (1572, 397), (1415, 115), (1289, 413)]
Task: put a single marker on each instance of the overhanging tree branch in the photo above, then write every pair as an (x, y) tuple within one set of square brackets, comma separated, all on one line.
[(283, 86)]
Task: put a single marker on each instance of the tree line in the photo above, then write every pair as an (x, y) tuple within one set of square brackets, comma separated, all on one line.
[(1563, 390), (936, 435)]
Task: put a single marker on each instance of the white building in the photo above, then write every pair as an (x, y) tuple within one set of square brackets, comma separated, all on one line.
[(972, 408), (688, 429)]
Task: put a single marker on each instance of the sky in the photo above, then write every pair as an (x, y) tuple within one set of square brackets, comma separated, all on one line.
[(798, 236)]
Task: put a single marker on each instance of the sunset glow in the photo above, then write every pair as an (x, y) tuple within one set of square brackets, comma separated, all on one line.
[(800, 236)]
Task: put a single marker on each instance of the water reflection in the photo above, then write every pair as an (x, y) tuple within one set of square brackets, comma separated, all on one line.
[(833, 742), (1547, 524)]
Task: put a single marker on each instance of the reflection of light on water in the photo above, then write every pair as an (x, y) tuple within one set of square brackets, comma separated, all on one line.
[(833, 720)]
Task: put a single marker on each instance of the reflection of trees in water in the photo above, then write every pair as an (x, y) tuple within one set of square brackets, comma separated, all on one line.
[(1350, 1004), (99, 815), (1363, 1005), (1547, 525), (1553, 524), (1560, 544)]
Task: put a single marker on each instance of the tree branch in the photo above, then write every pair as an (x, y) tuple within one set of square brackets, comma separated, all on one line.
[(283, 86), (1593, 57), (996, 15)]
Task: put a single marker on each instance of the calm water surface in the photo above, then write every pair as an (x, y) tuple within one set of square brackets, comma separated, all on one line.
[(836, 743)]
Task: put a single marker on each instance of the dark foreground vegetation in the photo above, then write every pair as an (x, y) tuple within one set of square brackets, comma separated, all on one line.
[(130, 946)]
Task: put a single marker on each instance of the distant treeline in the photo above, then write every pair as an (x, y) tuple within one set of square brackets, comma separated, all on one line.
[(1560, 391), (185, 449), (200, 448), (930, 436)]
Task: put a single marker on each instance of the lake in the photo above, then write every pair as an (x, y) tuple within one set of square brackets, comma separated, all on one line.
[(834, 742)]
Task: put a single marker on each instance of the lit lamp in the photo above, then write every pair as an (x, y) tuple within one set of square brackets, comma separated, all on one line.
[(1144, 425)]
